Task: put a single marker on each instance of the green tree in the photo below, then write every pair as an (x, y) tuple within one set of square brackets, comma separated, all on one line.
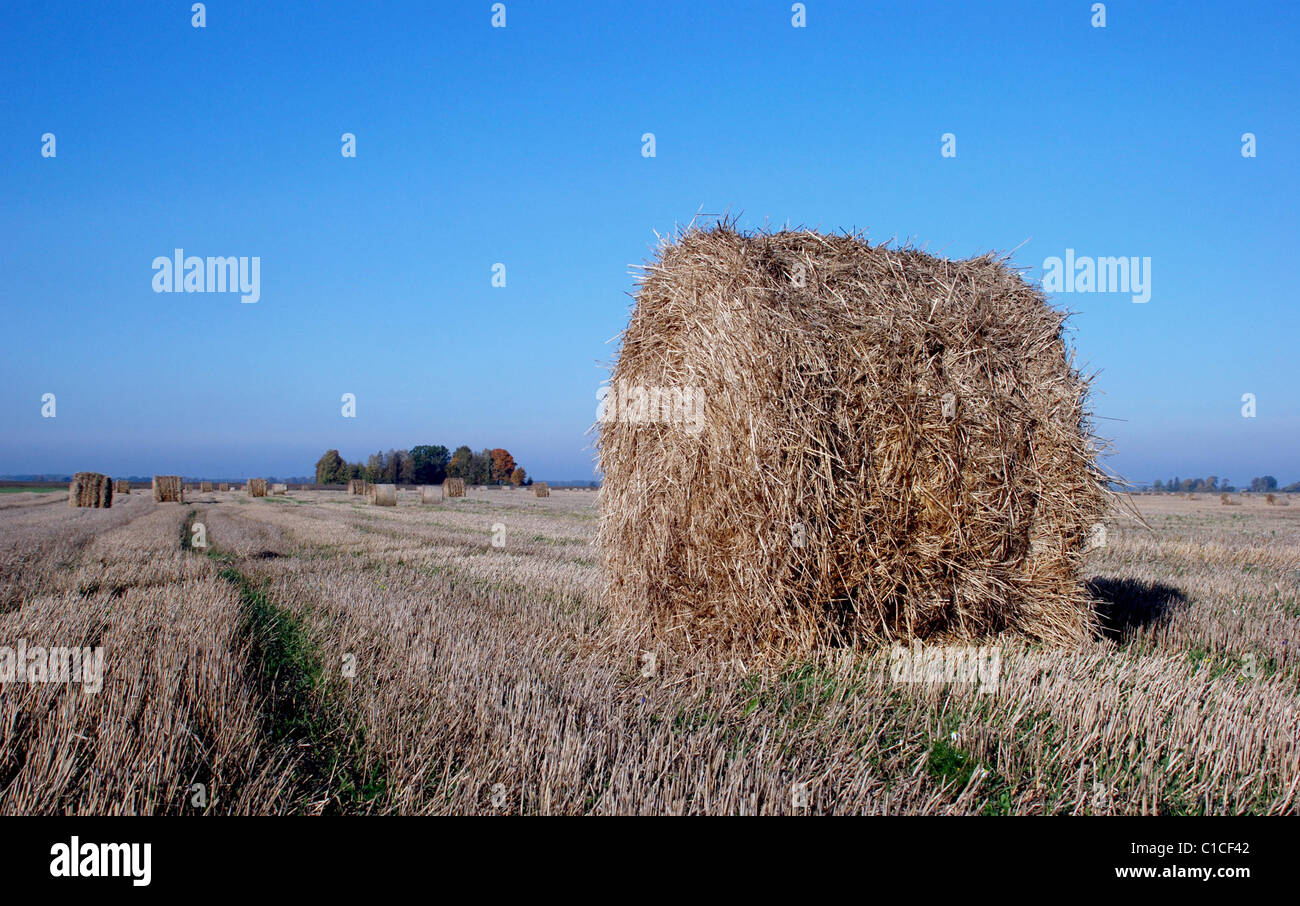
[(397, 468), (331, 469), (459, 466), (481, 467), (376, 466), (429, 463)]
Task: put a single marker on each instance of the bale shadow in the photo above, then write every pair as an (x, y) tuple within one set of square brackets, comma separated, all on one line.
[(1125, 605)]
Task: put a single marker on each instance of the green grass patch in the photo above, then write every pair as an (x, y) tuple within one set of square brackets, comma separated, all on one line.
[(1243, 667), (951, 765), (302, 707), (187, 530)]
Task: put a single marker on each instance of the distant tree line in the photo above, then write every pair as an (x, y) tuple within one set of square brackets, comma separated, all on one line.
[(1210, 485), (1213, 485), (424, 464)]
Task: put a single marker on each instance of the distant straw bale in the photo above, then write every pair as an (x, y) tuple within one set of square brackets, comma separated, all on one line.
[(540, 489), (385, 495), (205, 487), (121, 487), (168, 489), (812, 441), (256, 487), (356, 487), (90, 489), (430, 493), (453, 487), (279, 488)]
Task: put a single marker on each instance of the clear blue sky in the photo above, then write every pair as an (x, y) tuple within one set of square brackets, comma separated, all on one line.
[(522, 145)]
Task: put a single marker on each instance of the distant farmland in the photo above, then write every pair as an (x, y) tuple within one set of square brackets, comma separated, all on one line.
[(36, 487)]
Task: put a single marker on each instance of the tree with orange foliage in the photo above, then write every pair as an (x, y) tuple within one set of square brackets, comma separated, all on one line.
[(503, 464)]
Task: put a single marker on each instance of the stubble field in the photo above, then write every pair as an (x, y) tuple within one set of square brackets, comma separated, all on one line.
[(324, 656)]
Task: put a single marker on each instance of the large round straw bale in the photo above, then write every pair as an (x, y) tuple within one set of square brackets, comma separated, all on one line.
[(384, 495), (541, 489), (90, 489), (453, 487), (810, 440), (256, 487), (430, 493)]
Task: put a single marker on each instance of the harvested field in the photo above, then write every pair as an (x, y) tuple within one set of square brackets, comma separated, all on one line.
[(484, 683)]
